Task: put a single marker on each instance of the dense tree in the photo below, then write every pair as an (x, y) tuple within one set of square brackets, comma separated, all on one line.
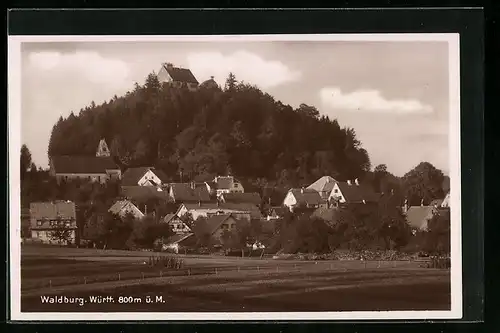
[(61, 234), (423, 183)]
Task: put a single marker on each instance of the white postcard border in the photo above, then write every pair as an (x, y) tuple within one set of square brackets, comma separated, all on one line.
[(14, 140)]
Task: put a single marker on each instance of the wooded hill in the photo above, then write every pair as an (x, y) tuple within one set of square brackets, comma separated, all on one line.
[(239, 130)]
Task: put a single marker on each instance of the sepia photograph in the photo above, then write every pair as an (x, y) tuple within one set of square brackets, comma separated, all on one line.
[(235, 177)]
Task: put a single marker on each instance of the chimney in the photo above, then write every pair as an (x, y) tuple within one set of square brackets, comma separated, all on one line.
[(392, 191), (356, 181), (422, 202), (302, 190), (193, 185), (405, 206), (212, 77), (169, 65), (349, 182), (199, 203)]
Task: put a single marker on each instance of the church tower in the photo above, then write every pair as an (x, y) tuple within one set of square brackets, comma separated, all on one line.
[(102, 149)]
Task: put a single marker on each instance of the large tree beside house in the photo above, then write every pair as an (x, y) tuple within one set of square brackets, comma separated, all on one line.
[(194, 133), (423, 184)]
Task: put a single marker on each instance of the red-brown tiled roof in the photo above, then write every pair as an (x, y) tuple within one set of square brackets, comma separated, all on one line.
[(181, 74), (83, 164), (184, 192)]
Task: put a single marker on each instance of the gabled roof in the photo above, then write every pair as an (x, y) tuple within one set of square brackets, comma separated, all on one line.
[(225, 183), (144, 193), (83, 164), (212, 185), (418, 216), (436, 202), (357, 193), (184, 192), (306, 196), (215, 221), (53, 210), (180, 74), (323, 184), (118, 206), (253, 198), (168, 218), (235, 207), (132, 175)]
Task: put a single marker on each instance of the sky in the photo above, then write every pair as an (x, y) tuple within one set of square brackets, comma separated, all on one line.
[(394, 94)]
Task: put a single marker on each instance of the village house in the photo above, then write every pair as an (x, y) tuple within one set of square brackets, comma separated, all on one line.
[(47, 217), (99, 168), (177, 77), (323, 186), (227, 184), (253, 198), (144, 176), (353, 193), (189, 192), (124, 207), (240, 211), (176, 224), (302, 198)]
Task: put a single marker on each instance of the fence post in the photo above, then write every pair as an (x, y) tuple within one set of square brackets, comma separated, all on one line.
[(119, 277), (84, 280), (277, 269), (189, 272), (258, 268), (364, 263), (215, 270), (50, 284)]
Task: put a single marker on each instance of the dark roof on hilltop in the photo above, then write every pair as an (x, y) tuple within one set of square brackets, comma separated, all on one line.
[(181, 74), (143, 193), (237, 207), (418, 216), (132, 175), (306, 196), (83, 164), (53, 210), (357, 193), (183, 192), (253, 198)]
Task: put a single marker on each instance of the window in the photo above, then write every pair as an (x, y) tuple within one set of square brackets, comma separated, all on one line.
[(39, 223), (336, 191), (67, 224), (236, 184)]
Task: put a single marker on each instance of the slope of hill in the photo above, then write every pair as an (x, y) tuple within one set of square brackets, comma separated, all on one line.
[(240, 130)]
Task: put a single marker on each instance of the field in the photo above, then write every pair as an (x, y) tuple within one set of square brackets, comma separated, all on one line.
[(124, 281)]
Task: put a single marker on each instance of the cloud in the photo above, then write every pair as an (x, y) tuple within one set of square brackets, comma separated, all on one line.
[(55, 83), (370, 101), (90, 66), (246, 66)]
